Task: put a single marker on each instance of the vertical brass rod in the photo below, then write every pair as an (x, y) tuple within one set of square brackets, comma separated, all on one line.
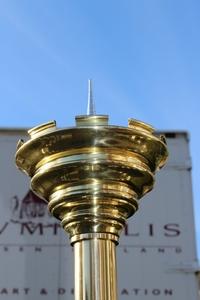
[(95, 270)]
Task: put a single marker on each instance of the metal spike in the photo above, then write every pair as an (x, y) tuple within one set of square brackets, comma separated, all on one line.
[(90, 105)]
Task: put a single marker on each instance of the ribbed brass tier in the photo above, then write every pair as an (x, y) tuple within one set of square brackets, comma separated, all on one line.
[(92, 176)]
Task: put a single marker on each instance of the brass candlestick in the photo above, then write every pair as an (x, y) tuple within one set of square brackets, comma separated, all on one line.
[(92, 176)]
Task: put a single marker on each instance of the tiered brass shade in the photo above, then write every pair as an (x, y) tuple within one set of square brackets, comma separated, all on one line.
[(92, 176)]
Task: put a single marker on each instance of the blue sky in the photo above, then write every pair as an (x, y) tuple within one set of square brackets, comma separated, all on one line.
[(144, 57)]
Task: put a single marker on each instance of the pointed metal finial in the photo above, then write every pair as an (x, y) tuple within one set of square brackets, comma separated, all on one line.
[(90, 105)]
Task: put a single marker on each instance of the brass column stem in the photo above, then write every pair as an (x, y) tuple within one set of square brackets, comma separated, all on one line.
[(95, 270)]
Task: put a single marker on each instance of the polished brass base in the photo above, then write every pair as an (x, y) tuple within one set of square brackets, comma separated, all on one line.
[(92, 177)]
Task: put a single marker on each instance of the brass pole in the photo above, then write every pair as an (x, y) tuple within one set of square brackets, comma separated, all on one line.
[(92, 176), (95, 269)]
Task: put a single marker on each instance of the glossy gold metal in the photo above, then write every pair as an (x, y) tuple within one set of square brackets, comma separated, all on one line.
[(96, 270), (92, 176)]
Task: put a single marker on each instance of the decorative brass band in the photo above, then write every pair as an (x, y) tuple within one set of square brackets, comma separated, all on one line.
[(99, 236), (94, 174), (95, 206)]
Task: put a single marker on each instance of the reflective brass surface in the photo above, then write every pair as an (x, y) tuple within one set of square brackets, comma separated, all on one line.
[(92, 176), (89, 271)]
